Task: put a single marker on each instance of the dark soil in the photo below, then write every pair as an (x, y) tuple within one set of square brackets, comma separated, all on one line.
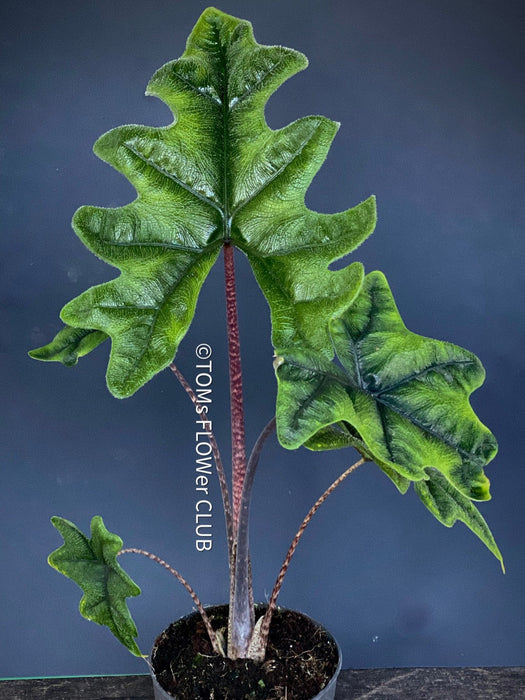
[(301, 659)]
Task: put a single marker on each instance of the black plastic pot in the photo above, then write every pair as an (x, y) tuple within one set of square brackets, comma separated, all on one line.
[(327, 693)]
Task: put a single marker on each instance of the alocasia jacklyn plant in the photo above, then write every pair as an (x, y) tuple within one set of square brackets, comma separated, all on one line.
[(349, 373)]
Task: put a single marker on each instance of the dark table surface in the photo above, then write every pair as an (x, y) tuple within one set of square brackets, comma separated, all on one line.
[(375, 684)]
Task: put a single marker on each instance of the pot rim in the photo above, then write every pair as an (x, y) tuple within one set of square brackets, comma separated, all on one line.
[(159, 690)]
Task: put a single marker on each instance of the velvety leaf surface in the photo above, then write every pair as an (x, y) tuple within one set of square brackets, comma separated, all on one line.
[(217, 175), (92, 564), (399, 398)]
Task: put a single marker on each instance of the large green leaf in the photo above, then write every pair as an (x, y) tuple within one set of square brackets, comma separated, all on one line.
[(218, 174), (401, 399), (92, 564)]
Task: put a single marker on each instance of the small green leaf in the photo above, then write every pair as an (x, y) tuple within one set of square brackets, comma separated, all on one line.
[(68, 345), (217, 175), (92, 564), (448, 505)]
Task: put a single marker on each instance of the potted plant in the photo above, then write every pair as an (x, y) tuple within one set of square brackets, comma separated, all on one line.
[(349, 373)]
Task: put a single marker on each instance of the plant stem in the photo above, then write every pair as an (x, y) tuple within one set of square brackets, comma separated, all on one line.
[(218, 462), (217, 647), (242, 612), (241, 615), (236, 395), (265, 626)]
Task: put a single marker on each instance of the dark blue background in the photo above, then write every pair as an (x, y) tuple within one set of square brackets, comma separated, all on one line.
[(430, 96)]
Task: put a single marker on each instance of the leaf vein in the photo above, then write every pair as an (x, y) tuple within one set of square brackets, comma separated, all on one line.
[(434, 433), (357, 359), (324, 373), (173, 178), (202, 92), (253, 87), (386, 431), (301, 409), (422, 373), (168, 245), (278, 172)]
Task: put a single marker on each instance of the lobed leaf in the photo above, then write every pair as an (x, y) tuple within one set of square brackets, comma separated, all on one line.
[(217, 175), (92, 564), (402, 400)]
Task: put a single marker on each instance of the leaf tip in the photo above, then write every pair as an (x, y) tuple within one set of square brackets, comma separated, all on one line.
[(496, 552), (119, 390), (59, 523), (97, 523)]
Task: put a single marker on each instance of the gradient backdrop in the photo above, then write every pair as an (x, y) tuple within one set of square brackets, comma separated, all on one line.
[(430, 97)]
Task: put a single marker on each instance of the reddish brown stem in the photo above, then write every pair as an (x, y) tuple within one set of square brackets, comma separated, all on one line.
[(236, 395), (217, 648), (218, 462), (265, 626)]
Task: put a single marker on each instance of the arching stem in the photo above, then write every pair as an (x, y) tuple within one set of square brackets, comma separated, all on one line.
[(216, 644), (218, 464), (260, 641)]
